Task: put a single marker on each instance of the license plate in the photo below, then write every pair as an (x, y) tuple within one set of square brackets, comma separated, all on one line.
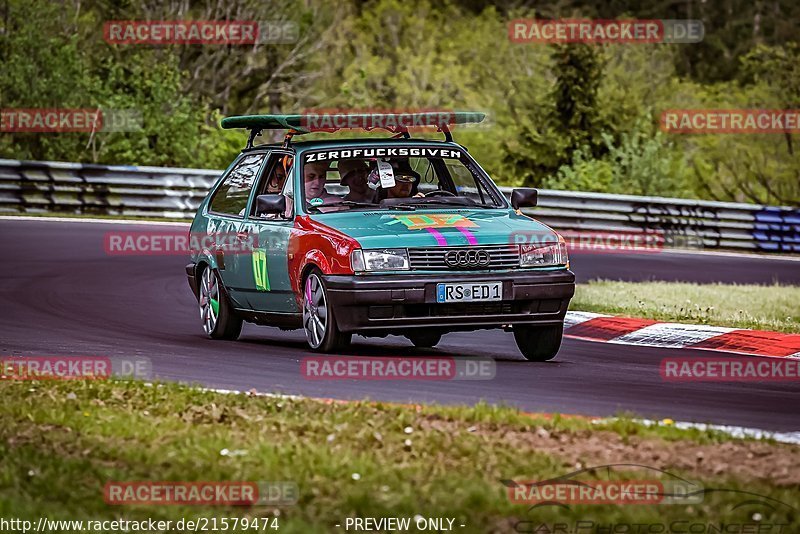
[(469, 292)]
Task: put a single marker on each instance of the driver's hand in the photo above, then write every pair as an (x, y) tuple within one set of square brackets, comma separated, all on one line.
[(419, 195)]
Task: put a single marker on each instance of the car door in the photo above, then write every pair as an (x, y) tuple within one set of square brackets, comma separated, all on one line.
[(227, 218), (268, 265)]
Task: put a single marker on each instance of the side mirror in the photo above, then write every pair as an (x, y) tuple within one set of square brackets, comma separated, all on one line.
[(524, 197), (270, 204)]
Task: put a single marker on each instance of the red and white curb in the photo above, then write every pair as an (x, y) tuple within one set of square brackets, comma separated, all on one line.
[(646, 332)]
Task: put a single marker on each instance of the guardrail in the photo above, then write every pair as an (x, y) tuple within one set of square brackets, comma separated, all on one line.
[(53, 187)]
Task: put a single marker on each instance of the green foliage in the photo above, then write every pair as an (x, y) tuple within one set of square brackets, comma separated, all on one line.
[(572, 116)]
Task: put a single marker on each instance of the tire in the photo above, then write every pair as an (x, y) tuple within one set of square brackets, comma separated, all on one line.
[(216, 313), (424, 338), (538, 343), (319, 317)]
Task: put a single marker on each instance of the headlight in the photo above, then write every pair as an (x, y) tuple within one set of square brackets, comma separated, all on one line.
[(392, 259), (543, 255)]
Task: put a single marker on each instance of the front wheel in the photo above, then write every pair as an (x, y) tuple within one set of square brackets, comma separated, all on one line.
[(319, 320), (219, 321), (538, 343)]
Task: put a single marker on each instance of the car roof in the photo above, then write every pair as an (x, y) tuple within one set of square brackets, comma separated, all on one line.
[(302, 146)]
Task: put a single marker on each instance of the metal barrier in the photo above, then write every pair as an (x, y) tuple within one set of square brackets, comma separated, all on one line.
[(53, 187)]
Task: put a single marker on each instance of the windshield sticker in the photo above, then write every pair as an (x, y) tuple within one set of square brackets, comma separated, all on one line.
[(443, 220), (383, 152), (387, 174), (316, 201)]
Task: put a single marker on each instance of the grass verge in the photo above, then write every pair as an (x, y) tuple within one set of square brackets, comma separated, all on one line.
[(757, 307), (62, 441)]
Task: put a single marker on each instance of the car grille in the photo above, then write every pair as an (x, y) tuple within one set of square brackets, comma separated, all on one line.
[(433, 259)]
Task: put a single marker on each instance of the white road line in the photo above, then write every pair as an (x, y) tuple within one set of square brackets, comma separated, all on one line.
[(734, 431), (574, 318), (752, 255), (671, 335)]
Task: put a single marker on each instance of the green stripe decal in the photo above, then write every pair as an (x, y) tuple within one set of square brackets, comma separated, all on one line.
[(260, 270)]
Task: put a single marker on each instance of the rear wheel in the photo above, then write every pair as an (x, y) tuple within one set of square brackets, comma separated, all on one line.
[(424, 338), (319, 318), (538, 343), (219, 321)]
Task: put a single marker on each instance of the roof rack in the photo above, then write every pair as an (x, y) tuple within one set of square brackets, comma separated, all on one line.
[(395, 123)]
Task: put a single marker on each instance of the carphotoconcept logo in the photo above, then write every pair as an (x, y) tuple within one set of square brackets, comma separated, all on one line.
[(562, 31)]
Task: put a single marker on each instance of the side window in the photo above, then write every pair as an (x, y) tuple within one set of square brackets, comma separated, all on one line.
[(288, 192), (231, 197), (274, 178)]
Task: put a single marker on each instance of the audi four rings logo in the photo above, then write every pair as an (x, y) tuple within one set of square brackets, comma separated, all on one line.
[(467, 258)]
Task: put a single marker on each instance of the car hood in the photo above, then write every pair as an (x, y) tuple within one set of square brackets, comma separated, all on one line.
[(432, 228)]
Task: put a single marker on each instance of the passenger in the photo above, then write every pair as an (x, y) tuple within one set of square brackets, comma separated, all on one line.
[(353, 173), (276, 181), (314, 175)]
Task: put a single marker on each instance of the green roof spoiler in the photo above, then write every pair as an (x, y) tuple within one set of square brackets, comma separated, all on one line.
[(397, 123)]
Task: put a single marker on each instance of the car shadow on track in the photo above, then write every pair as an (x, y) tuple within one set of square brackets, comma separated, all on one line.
[(392, 346)]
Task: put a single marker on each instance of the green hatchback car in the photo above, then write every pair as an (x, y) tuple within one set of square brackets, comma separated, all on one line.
[(375, 236)]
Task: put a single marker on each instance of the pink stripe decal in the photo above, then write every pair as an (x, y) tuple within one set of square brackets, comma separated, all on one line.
[(440, 240), (470, 238)]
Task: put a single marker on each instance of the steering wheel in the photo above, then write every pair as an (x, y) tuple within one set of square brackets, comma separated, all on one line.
[(439, 193)]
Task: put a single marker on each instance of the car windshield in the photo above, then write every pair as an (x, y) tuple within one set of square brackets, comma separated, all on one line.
[(402, 179)]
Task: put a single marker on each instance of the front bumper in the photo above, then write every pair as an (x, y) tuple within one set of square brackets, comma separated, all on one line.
[(384, 303)]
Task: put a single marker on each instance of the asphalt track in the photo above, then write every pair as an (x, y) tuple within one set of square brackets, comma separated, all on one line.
[(63, 295)]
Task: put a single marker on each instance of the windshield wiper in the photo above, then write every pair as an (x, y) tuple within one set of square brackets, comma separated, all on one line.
[(450, 201), (351, 203)]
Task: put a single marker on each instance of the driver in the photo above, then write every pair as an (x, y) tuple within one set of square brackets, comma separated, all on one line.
[(403, 184), (405, 181)]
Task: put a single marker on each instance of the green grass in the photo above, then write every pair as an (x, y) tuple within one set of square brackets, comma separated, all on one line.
[(61, 442), (774, 307)]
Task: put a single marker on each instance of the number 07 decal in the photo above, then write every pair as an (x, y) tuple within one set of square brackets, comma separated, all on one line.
[(260, 270)]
